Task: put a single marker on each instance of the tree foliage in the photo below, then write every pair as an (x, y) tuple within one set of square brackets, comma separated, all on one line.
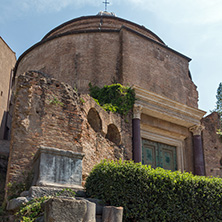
[(218, 108), (219, 100)]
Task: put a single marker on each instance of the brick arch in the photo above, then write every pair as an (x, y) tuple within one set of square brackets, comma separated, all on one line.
[(107, 118), (113, 134), (94, 120)]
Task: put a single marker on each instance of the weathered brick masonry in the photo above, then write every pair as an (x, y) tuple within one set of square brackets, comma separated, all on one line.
[(7, 63), (50, 113), (212, 144)]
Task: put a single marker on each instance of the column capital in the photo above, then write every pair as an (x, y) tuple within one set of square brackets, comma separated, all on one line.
[(196, 129), (137, 109)]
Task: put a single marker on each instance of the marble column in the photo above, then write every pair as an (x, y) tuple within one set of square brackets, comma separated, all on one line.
[(199, 166), (137, 149)]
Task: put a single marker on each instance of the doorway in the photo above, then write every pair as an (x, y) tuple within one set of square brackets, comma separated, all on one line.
[(159, 155)]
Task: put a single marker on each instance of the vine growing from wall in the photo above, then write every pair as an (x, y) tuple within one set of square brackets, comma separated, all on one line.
[(115, 98)]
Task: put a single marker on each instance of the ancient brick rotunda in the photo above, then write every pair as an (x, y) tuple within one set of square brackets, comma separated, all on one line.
[(52, 108)]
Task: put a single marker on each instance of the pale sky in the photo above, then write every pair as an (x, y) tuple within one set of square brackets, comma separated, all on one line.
[(191, 27)]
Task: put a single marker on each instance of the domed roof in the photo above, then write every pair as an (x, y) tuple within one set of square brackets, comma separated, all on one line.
[(104, 21)]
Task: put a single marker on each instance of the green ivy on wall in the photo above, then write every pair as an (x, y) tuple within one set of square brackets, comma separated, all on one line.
[(115, 98)]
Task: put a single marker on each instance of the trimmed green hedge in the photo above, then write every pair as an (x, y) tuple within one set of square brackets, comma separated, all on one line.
[(156, 194)]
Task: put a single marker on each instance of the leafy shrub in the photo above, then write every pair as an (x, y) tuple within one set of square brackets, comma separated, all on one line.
[(2, 211), (33, 209), (149, 194), (114, 98), (14, 189)]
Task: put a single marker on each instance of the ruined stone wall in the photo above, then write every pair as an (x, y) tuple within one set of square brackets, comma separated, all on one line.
[(50, 113), (7, 62), (212, 145), (97, 144)]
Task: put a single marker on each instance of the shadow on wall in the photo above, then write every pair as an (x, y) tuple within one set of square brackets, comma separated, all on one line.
[(113, 134), (4, 154), (95, 122), (4, 129)]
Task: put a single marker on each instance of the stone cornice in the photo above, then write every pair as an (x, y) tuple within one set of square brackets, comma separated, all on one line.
[(166, 133), (59, 152), (166, 109)]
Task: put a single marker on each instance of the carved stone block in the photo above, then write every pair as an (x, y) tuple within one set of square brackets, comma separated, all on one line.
[(56, 167)]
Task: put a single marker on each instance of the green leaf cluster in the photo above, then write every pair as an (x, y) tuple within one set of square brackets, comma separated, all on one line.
[(114, 98), (32, 210), (14, 189), (55, 101), (218, 108), (219, 100), (149, 194)]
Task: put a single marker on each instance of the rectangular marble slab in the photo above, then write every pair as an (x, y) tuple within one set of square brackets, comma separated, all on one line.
[(56, 167)]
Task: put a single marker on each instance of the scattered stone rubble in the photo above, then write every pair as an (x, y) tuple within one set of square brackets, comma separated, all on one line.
[(68, 209)]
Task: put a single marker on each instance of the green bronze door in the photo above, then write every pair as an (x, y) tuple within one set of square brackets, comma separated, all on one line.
[(159, 155)]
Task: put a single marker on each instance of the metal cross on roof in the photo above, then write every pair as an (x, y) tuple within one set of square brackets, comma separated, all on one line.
[(106, 3)]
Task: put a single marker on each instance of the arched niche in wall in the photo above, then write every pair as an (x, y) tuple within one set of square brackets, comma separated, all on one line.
[(94, 120), (113, 134)]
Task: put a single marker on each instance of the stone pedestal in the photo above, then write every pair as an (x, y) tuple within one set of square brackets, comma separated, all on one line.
[(57, 168), (65, 210)]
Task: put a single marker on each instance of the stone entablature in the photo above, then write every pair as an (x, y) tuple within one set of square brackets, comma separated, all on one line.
[(166, 109)]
